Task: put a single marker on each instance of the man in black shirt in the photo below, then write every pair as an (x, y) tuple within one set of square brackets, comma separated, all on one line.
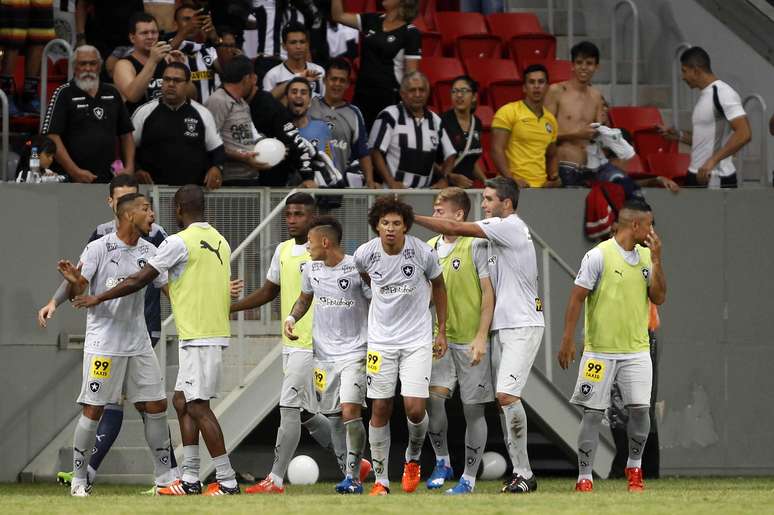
[(177, 140), (84, 119)]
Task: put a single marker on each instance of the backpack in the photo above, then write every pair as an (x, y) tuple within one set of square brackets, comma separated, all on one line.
[(602, 205)]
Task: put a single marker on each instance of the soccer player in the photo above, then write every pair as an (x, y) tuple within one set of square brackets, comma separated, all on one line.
[(616, 280), (113, 414), (517, 322), (297, 400), (197, 260), (401, 269), (117, 349), (339, 334), (469, 313)]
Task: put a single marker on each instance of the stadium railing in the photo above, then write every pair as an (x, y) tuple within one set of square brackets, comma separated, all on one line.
[(44, 71)]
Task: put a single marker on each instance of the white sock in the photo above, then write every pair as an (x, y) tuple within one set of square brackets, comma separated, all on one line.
[(470, 479), (446, 460), (278, 481), (416, 438), (379, 438), (630, 463), (190, 464), (223, 471), (581, 477)]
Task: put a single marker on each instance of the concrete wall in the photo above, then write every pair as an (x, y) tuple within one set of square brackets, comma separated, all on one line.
[(715, 340)]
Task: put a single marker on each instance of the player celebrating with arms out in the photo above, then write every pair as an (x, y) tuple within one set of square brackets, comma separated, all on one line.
[(401, 269), (339, 333), (616, 280), (117, 349), (470, 308), (518, 315)]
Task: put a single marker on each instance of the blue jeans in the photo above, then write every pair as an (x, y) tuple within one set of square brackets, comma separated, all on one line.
[(481, 6)]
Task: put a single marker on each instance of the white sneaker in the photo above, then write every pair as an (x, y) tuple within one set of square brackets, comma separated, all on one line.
[(79, 491)]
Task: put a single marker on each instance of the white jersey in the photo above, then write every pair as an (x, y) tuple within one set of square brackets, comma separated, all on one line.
[(513, 269), (281, 74), (341, 296), (718, 104), (116, 327), (399, 316)]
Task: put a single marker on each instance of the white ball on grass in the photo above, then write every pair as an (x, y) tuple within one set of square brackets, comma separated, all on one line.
[(303, 470), (494, 465)]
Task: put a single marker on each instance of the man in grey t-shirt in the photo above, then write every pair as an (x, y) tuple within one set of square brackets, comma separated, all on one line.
[(232, 118)]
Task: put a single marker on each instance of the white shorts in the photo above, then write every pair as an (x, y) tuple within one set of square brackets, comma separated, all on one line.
[(475, 381), (340, 381), (513, 353), (297, 380), (199, 374), (597, 375), (105, 378), (412, 365)]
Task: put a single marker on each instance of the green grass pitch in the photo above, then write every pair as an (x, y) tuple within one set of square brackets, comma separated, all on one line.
[(672, 496)]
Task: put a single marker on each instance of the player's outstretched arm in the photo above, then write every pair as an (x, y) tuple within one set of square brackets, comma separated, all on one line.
[(657, 287), (47, 312), (439, 300), (131, 284), (478, 345), (450, 227), (76, 283), (258, 298), (567, 350), (297, 313)]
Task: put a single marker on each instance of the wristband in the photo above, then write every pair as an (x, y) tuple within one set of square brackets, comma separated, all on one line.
[(291, 319)]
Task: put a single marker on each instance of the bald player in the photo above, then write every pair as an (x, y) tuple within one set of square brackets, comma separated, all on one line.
[(616, 280)]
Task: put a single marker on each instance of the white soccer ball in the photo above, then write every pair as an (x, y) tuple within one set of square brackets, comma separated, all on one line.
[(270, 151), (494, 465), (303, 470)]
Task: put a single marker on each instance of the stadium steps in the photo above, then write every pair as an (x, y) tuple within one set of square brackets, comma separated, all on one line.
[(240, 407)]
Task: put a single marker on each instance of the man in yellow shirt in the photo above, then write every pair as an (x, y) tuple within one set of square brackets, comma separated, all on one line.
[(617, 281), (524, 135)]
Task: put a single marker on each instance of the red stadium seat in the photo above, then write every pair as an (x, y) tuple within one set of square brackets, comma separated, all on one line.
[(507, 25), (528, 49), (558, 71), (466, 34), (431, 40), (427, 12), (441, 72), (356, 6), (672, 166), (486, 114), (489, 71), (648, 142), (635, 167), (486, 158), (634, 118), (501, 93)]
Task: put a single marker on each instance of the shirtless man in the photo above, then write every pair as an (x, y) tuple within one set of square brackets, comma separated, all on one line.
[(576, 104)]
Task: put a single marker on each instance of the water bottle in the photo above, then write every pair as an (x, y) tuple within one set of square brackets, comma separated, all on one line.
[(33, 175), (714, 180)]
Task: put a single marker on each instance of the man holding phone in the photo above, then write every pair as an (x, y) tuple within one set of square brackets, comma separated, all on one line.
[(295, 40)]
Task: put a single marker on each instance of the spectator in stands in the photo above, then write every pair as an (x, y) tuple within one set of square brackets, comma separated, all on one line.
[(138, 76), (26, 26), (464, 130), (392, 47), (177, 141), (86, 119), (718, 108), (227, 46), (195, 37), (102, 23), (273, 120), (231, 113), (407, 140), (342, 40), (46, 149), (576, 104), (163, 11), (524, 135), (481, 6), (295, 41), (350, 138), (264, 42), (298, 97)]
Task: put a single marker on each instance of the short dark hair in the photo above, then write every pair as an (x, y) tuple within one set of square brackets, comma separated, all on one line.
[(237, 69), (190, 199), (339, 63), (330, 225), (389, 204), (696, 57), (637, 204), (305, 199), (585, 49), (123, 180), (185, 5), (532, 68), (125, 201), (472, 84), (293, 26), (180, 66), (140, 17), (506, 188), (297, 80)]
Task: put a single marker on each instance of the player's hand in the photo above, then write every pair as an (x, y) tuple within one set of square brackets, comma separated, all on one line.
[(85, 301), (653, 242), (459, 180), (236, 287), (703, 174), (477, 351), (46, 313), (159, 51), (213, 180), (288, 329), (83, 175), (669, 184), (669, 133), (566, 353), (440, 345), (68, 271), (143, 177)]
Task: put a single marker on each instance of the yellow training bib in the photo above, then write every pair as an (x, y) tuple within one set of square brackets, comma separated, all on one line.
[(595, 370), (100, 367), (373, 362), (319, 379)]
